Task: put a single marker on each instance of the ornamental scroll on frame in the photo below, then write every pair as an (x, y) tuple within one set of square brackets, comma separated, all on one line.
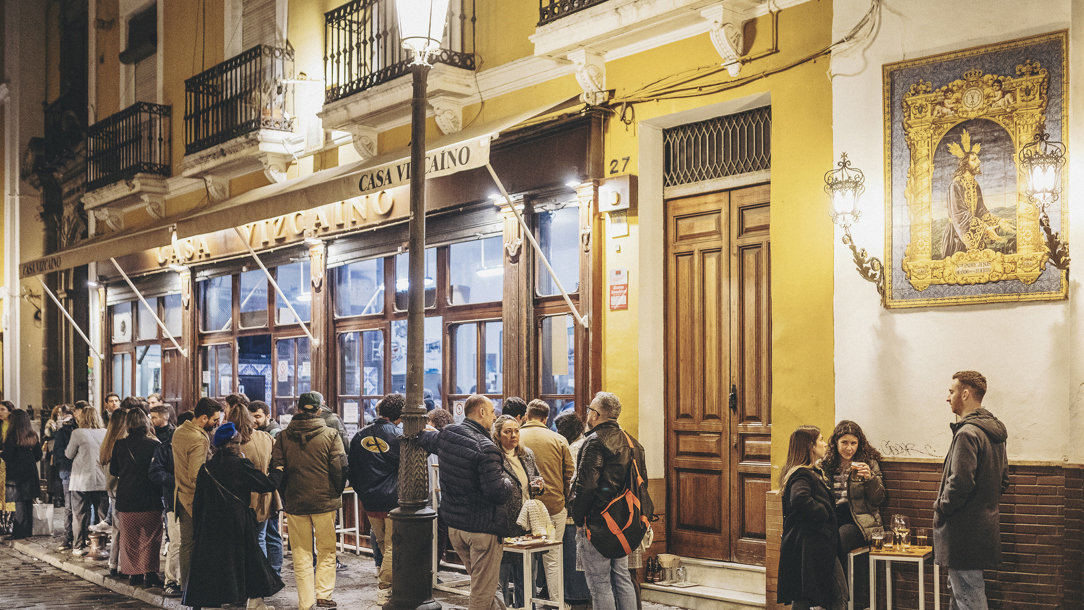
[(959, 226)]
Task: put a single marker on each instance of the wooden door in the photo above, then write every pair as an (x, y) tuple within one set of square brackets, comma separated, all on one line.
[(718, 371)]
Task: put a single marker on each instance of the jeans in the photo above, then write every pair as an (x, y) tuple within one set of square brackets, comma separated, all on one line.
[(273, 541), (575, 583), (512, 574), (83, 502), (968, 589), (186, 542), (307, 531), (65, 477), (608, 579), (173, 551), (114, 549)]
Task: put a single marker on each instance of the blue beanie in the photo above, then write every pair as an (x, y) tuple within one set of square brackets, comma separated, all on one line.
[(224, 434)]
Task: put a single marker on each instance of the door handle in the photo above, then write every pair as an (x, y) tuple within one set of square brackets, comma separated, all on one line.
[(733, 398)]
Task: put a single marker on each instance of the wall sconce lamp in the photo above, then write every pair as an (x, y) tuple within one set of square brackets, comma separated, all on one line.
[(845, 186), (1042, 161)]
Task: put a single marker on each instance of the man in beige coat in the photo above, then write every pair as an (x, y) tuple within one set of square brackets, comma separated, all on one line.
[(554, 463), (308, 466), (191, 448)]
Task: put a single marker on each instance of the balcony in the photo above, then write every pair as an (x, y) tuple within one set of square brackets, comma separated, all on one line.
[(552, 10), (238, 115), (362, 53), (128, 161)]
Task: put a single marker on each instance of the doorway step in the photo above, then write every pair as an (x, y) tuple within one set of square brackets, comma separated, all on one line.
[(721, 586)]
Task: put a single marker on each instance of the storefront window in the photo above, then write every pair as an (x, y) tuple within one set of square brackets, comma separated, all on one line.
[(294, 372), (359, 288), (216, 303), (173, 318), (122, 322), (494, 364), (122, 374), (477, 271), (361, 383), (558, 362), (469, 366), (559, 239), (253, 307), (402, 281), (216, 370), (433, 362), (147, 327), (148, 370), (466, 359), (254, 366), (294, 281)]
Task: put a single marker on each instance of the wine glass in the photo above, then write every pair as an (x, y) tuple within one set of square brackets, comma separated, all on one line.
[(901, 525)]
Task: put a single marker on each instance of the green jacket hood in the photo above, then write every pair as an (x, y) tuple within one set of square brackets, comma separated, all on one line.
[(303, 428)]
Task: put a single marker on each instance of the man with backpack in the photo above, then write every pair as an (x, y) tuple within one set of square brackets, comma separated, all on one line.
[(610, 505)]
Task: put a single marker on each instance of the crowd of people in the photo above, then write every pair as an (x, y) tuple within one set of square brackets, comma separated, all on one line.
[(206, 491), (833, 492)]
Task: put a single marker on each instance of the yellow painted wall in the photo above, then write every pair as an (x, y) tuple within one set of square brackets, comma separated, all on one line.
[(503, 29), (107, 79), (52, 51), (802, 236)]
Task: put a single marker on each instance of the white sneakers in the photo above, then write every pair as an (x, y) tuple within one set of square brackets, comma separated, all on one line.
[(101, 527), (383, 596), (256, 603)]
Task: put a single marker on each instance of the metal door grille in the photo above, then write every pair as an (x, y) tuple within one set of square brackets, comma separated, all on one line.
[(724, 146)]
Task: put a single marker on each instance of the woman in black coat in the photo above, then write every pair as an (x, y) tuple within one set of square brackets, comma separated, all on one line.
[(809, 572), (139, 500), (21, 454), (228, 566)]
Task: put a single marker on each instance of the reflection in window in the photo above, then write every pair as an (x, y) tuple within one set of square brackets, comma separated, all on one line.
[(216, 370), (254, 364), (559, 239), (295, 282), (558, 362), (148, 370), (477, 271), (468, 364), (494, 357), (122, 374), (433, 363), (216, 303), (359, 288), (402, 281), (294, 368), (122, 322), (466, 359), (253, 306), (361, 374), (173, 317), (148, 327)]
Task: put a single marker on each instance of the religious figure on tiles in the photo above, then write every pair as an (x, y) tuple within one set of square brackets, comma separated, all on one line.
[(961, 229), (969, 224)]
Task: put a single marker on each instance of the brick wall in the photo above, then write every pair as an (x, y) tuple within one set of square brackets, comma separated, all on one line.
[(1042, 516)]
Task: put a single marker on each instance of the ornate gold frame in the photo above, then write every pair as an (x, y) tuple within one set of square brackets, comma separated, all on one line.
[(927, 115)]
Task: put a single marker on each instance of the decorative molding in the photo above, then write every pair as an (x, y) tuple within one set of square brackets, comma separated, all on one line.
[(521, 74), (364, 141), (243, 155), (448, 112), (155, 204), (513, 236), (218, 189), (590, 67), (274, 167), (726, 21), (318, 260), (114, 219)]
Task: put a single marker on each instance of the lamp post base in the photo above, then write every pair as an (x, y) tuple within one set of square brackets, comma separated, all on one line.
[(412, 559)]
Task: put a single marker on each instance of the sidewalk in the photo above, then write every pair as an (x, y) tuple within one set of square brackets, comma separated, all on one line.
[(355, 588)]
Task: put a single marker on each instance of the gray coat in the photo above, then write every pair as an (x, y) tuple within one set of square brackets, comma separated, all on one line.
[(966, 520), (82, 450)]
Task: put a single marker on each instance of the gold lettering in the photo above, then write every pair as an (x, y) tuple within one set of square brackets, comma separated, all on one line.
[(340, 218), (320, 221), (187, 249), (280, 227), (298, 219), (162, 255), (359, 211), (384, 203)]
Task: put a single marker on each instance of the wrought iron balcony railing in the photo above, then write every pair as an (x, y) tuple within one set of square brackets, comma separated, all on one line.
[(552, 10), (135, 140), (238, 96), (362, 48)]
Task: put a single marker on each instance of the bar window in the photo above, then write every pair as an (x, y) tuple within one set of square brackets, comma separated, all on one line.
[(359, 288), (559, 239), (216, 370), (254, 364), (293, 372), (216, 303), (476, 269), (433, 360), (147, 327), (402, 281), (558, 363), (295, 282), (477, 358), (148, 369), (361, 375), (253, 308), (122, 322), (173, 315), (122, 374)]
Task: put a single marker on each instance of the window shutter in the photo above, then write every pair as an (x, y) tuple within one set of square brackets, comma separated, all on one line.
[(146, 80), (258, 23)]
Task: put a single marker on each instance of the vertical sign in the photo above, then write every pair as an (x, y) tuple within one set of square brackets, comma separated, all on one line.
[(619, 289)]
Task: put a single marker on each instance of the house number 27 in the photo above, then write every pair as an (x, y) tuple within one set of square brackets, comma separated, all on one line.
[(621, 163)]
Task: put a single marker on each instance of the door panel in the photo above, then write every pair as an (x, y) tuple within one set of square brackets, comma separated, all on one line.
[(718, 337)]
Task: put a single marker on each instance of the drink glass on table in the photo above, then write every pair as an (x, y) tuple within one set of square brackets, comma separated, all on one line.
[(877, 538), (921, 537), (901, 525)]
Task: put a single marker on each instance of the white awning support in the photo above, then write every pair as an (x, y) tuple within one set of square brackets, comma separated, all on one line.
[(161, 324), (538, 249), (70, 320), (275, 284)]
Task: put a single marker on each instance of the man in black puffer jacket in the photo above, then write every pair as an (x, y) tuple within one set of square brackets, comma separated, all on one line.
[(374, 475), (473, 488)]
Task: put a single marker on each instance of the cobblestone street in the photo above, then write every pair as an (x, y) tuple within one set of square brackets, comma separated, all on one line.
[(29, 583)]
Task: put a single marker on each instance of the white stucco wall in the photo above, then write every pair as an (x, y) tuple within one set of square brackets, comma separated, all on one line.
[(893, 367)]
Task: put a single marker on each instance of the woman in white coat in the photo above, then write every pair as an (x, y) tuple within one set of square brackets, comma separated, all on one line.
[(87, 483)]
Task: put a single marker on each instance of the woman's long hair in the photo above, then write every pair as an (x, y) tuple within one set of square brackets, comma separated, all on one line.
[(499, 425), (88, 418), (242, 420), (864, 453), (138, 424), (118, 427), (800, 452), (20, 430)]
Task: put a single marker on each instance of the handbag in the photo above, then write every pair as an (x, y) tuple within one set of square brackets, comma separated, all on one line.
[(43, 519)]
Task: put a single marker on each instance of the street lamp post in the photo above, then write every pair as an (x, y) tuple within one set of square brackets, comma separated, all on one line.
[(421, 28)]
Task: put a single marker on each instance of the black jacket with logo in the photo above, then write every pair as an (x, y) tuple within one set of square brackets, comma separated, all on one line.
[(374, 466)]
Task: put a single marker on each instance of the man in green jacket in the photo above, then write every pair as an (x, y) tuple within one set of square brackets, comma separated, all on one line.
[(308, 465)]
